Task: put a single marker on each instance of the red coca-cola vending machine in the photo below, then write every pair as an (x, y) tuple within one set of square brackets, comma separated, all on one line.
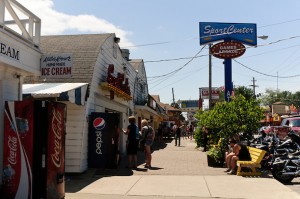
[(34, 150)]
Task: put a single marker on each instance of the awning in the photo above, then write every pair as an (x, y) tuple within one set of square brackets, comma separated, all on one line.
[(73, 92)]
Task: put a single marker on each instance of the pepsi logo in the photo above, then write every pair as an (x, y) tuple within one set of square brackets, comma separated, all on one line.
[(99, 123)]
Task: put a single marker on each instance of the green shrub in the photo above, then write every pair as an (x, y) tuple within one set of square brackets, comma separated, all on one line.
[(215, 152)]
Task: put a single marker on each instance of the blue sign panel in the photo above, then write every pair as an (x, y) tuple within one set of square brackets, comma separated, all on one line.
[(242, 32), (190, 104)]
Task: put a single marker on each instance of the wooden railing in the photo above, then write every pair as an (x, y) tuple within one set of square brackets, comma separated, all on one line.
[(28, 27)]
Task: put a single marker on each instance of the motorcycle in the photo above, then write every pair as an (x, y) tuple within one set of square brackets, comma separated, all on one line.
[(285, 163)]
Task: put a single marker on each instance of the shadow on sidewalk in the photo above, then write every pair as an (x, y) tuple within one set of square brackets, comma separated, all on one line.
[(77, 181)]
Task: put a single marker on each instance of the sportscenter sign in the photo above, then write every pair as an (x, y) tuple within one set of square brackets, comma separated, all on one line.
[(214, 31), (57, 65)]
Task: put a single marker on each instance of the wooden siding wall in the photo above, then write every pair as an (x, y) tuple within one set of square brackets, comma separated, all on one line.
[(100, 74), (99, 98), (10, 89), (76, 139)]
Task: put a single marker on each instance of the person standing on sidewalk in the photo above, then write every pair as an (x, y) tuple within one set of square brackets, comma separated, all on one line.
[(177, 135), (132, 142), (148, 134)]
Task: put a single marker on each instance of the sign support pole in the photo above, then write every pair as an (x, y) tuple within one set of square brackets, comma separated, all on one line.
[(228, 79), (209, 78)]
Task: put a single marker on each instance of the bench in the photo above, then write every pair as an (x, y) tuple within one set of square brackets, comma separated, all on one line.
[(256, 158)]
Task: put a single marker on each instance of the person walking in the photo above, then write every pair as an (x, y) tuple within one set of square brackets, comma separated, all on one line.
[(191, 131), (183, 131), (205, 139), (148, 135), (177, 135), (132, 142)]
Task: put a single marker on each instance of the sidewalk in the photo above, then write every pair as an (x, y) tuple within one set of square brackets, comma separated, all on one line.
[(179, 172)]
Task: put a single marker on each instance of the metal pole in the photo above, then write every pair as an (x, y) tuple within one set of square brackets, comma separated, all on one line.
[(209, 78), (277, 86), (173, 97)]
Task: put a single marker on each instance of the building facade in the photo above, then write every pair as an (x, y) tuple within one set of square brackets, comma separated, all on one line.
[(19, 56), (112, 82)]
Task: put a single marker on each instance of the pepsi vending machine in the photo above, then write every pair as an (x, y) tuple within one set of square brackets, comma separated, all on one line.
[(34, 148), (103, 140)]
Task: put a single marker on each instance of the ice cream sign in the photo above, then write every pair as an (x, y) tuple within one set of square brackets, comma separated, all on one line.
[(56, 65)]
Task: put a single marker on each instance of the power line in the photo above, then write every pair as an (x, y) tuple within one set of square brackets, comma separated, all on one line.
[(183, 78), (180, 68), (168, 42), (265, 73), (267, 44), (279, 23)]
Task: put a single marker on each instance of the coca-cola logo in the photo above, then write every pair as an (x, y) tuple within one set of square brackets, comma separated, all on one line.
[(57, 130), (12, 145)]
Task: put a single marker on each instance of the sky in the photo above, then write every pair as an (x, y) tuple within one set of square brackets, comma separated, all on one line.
[(165, 34)]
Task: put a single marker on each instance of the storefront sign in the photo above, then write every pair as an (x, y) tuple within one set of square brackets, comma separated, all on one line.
[(204, 93), (189, 105), (9, 51), (228, 50), (57, 65), (213, 31)]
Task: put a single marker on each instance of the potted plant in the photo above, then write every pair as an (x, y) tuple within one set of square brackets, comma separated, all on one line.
[(215, 156)]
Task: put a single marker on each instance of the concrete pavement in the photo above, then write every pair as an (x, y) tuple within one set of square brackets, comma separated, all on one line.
[(178, 172)]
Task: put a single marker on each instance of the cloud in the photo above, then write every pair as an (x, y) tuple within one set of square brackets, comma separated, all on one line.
[(55, 23)]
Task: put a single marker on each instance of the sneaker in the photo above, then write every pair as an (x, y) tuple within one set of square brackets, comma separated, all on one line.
[(232, 172), (227, 170)]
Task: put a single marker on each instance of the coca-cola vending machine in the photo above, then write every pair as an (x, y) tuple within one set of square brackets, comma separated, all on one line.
[(34, 150)]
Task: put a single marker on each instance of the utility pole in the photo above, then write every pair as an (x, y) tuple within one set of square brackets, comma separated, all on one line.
[(173, 97), (209, 78), (277, 86), (253, 85)]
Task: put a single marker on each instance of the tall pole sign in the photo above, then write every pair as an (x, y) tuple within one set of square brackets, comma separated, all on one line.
[(234, 35)]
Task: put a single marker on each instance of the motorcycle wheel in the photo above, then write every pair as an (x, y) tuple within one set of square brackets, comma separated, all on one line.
[(277, 174)]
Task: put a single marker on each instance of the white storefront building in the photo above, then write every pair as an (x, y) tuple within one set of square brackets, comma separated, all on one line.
[(19, 55), (95, 58), (84, 82)]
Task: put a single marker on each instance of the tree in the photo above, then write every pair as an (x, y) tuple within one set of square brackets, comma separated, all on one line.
[(272, 96), (230, 118), (240, 90), (246, 92)]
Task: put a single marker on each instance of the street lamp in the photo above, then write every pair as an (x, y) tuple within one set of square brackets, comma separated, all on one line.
[(264, 37)]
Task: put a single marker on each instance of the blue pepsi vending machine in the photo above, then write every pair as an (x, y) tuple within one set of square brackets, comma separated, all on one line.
[(103, 140)]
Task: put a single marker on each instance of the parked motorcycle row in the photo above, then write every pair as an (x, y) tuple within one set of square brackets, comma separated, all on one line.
[(283, 156)]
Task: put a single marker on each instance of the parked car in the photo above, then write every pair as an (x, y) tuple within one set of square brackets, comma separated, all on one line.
[(293, 123)]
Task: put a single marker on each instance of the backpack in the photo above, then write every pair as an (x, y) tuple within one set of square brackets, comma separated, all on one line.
[(137, 133)]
